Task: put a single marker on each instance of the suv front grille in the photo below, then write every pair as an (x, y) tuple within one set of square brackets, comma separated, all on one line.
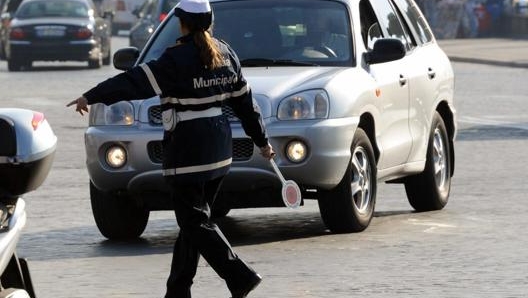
[(154, 115), (242, 150)]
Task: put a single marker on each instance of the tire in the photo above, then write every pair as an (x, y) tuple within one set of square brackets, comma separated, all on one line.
[(430, 189), (2, 52), (14, 65), (349, 207), (96, 63), (117, 217)]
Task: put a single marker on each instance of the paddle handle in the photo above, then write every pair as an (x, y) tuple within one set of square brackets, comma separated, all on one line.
[(277, 171)]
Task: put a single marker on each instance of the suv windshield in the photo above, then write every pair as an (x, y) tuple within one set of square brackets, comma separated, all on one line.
[(276, 32)]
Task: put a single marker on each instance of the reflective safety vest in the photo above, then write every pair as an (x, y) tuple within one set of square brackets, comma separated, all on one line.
[(197, 143)]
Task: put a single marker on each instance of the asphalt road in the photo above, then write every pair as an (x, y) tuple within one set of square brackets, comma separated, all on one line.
[(475, 247)]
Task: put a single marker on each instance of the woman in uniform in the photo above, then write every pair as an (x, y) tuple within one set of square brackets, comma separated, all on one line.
[(193, 79)]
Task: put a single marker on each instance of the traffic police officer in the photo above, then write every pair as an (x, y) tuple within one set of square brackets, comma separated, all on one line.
[(193, 79)]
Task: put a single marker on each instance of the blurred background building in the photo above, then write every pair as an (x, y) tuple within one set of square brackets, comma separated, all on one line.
[(476, 18)]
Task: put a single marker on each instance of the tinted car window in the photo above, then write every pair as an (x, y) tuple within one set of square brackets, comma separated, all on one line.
[(168, 5), (314, 31), (390, 21), (147, 9), (12, 5), (164, 39), (38, 9), (416, 20)]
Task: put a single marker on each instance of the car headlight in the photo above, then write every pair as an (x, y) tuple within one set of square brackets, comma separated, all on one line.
[(296, 151), (121, 113), (116, 156), (311, 104)]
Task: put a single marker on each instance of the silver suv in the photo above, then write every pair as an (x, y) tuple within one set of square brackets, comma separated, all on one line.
[(352, 92)]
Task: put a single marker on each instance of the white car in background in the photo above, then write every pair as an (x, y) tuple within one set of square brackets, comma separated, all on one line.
[(352, 92)]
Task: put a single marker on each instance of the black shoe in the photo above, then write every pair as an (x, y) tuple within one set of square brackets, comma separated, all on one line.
[(250, 286)]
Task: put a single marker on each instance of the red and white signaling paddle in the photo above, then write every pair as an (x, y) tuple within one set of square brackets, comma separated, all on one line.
[(291, 194)]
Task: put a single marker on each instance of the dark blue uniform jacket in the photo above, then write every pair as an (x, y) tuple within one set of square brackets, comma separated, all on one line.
[(199, 146)]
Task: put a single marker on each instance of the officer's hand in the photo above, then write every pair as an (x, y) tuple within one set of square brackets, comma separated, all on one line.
[(81, 105), (267, 151)]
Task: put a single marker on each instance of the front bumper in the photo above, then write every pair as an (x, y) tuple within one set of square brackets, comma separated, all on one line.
[(328, 142)]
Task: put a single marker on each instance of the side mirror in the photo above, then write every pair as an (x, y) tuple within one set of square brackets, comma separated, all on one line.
[(385, 50), (125, 58)]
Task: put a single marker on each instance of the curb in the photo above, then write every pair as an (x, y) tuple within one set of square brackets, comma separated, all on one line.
[(489, 62)]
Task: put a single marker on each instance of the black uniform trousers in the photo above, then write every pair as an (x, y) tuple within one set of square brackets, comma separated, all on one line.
[(199, 236)]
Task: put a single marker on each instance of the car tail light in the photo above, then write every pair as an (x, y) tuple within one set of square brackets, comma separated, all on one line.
[(120, 5), (17, 33), (162, 16), (83, 33)]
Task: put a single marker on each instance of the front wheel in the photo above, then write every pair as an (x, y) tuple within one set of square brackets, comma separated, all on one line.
[(117, 217), (349, 207), (429, 190)]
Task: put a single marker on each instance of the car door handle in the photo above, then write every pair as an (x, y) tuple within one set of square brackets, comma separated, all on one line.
[(431, 73), (403, 80)]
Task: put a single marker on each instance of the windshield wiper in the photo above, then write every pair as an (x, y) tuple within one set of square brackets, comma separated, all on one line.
[(274, 62)]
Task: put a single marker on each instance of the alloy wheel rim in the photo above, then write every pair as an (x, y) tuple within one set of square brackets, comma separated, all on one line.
[(361, 180), (439, 160)]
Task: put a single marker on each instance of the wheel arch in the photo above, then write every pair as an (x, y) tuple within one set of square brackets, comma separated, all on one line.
[(449, 120), (366, 122)]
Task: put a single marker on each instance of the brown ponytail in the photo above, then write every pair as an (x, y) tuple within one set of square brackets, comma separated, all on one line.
[(209, 52)]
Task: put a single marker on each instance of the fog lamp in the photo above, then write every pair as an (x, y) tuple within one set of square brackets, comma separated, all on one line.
[(296, 151), (116, 156)]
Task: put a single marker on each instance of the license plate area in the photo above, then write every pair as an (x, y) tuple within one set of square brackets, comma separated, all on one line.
[(50, 31)]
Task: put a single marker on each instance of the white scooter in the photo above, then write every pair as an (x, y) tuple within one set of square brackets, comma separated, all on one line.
[(27, 149)]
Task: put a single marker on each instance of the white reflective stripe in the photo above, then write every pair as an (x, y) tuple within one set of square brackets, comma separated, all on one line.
[(240, 92), (210, 99), (189, 115), (151, 78), (195, 169)]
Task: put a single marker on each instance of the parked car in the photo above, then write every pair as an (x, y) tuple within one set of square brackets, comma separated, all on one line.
[(7, 10), (150, 15), (122, 10), (352, 92), (58, 30)]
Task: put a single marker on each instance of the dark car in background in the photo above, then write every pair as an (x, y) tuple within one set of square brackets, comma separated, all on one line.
[(150, 15), (7, 10), (58, 30)]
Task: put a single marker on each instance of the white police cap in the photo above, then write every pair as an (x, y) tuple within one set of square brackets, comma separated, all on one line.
[(194, 6)]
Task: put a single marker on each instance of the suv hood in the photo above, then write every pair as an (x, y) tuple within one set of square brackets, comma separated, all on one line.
[(277, 82)]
